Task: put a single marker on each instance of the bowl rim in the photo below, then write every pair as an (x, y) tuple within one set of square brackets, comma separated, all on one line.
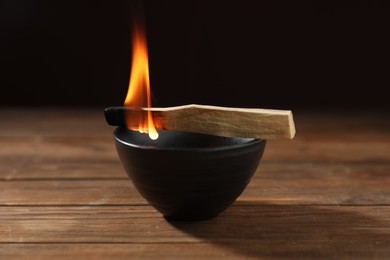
[(254, 141)]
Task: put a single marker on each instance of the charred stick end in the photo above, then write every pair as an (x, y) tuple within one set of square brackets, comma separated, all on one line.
[(115, 116)]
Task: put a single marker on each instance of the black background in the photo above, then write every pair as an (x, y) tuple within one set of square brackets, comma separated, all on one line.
[(275, 54)]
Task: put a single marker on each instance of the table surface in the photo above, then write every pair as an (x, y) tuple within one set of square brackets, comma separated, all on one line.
[(64, 194)]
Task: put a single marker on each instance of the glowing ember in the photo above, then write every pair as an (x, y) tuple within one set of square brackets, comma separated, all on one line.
[(138, 94)]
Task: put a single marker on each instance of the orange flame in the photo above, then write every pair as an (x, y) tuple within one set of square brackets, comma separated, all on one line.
[(138, 94)]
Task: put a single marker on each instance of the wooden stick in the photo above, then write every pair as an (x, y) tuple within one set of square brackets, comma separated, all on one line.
[(213, 120)]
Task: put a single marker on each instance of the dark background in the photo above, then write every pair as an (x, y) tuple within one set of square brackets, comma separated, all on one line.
[(275, 54)]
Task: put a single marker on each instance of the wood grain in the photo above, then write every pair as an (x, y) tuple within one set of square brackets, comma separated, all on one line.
[(268, 231), (239, 249), (64, 194), (213, 120), (139, 224), (231, 122)]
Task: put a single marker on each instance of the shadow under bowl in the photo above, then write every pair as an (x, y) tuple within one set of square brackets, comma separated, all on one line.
[(188, 176)]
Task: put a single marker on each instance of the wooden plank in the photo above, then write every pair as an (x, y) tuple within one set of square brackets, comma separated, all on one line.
[(320, 183), (53, 122), (277, 183), (142, 224), (241, 249), (328, 151), (38, 169), (69, 192), (80, 148)]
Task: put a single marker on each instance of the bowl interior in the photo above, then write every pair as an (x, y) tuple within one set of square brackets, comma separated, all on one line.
[(178, 140)]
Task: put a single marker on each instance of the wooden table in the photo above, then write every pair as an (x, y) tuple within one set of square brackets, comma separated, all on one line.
[(64, 194)]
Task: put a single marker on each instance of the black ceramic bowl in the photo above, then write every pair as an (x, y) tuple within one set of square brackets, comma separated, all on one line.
[(188, 176)]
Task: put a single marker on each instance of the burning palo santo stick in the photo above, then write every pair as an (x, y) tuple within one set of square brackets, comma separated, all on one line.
[(213, 120)]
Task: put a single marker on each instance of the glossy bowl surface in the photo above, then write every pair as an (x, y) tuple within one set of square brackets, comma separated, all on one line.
[(188, 176)]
